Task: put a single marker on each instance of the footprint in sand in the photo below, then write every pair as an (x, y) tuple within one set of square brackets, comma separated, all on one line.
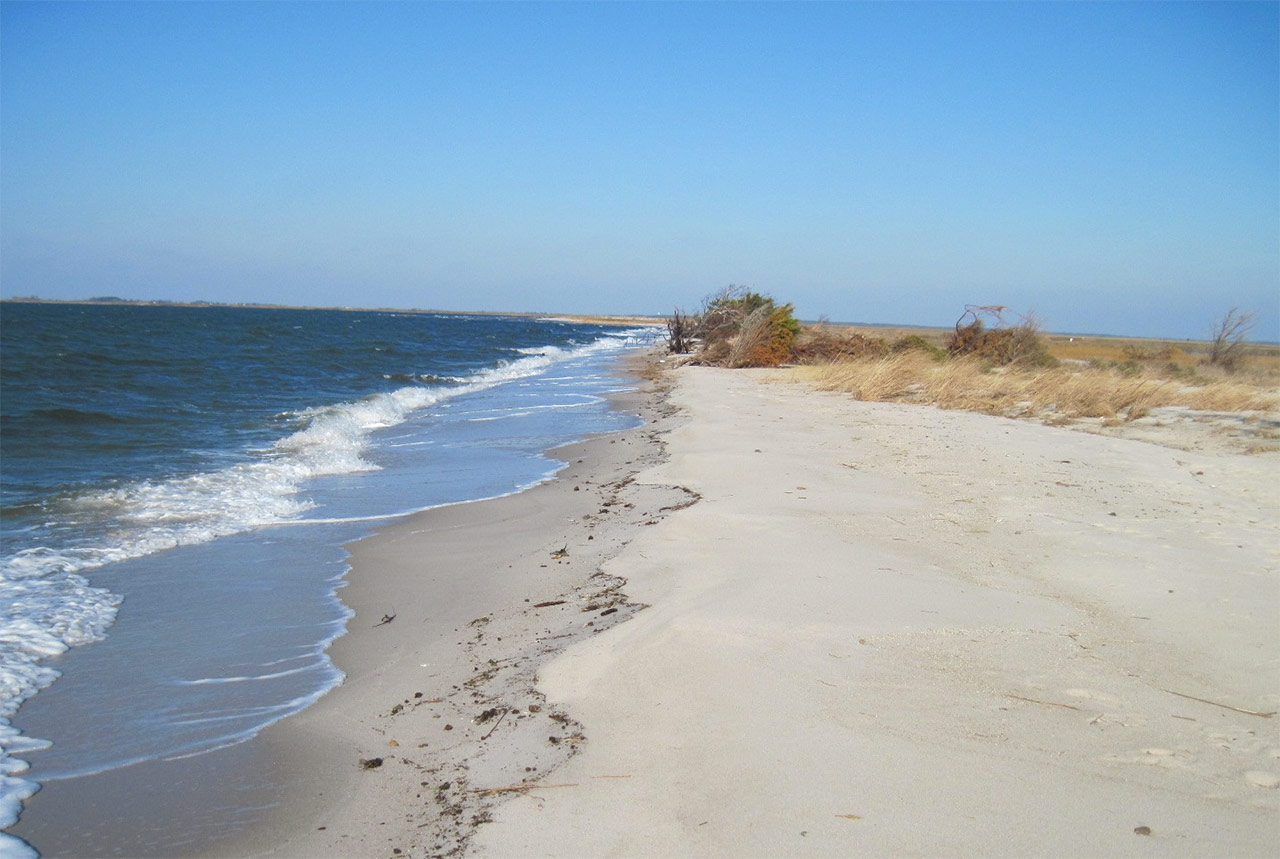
[(1239, 741), (1108, 707), (1259, 778), (1167, 758), (1093, 695)]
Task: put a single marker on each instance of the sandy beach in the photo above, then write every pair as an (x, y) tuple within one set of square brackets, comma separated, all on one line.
[(777, 622), (456, 609)]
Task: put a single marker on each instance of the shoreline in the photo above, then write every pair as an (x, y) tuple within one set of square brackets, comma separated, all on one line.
[(455, 610), (882, 629), (238, 795)]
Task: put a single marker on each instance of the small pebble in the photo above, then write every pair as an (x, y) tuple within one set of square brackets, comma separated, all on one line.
[(1142, 830)]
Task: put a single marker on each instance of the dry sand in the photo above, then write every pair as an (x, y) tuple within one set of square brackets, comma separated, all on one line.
[(892, 630), (883, 630)]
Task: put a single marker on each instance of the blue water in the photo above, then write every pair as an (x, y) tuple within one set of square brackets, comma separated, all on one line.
[(178, 484)]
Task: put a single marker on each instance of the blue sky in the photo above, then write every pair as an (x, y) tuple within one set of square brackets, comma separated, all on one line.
[(1113, 167)]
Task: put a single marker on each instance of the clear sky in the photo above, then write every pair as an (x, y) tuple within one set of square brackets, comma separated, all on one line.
[(1114, 167)]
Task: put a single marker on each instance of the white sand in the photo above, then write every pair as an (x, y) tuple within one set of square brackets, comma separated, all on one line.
[(893, 630)]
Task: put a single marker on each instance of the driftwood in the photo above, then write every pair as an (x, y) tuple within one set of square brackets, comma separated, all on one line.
[(1046, 703), (1223, 706), (386, 618), (554, 637), (495, 725), (516, 788)]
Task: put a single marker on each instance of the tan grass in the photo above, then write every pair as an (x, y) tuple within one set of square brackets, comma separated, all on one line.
[(1229, 396), (752, 336), (1051, 393), (1261, 360)]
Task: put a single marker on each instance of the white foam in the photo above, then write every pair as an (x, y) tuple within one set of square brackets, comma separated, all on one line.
[(247, 678), (158, 515), (14, 790)]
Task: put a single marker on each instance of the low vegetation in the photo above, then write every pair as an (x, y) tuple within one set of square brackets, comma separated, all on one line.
[(988, 363), (1228, 342), (1020, 344), (1055, 393), (736, 327)]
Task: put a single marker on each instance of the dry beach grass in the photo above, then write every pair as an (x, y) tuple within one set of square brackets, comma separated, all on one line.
[(988, 363), (1144, 389), (1062, 391)]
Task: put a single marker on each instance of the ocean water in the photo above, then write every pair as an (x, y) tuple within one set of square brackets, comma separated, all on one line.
[(176, 486)]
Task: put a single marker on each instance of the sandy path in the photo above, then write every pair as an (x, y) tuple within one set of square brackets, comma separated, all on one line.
[(893, 630)]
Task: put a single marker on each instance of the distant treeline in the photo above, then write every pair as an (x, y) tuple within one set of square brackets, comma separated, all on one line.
[(107, 299)]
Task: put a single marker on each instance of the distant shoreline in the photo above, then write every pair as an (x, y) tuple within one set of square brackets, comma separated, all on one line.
[(581, 318), (618, 319)]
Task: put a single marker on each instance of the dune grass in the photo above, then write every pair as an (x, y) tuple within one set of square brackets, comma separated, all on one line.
[(986, 364), (1055, 394)]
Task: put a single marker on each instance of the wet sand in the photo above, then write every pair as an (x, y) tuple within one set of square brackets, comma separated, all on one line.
[(455, 609)]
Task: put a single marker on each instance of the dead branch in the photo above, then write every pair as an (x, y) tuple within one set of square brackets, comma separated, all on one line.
[(1223, 706), (516, 788), (1046, 703), (975, 311), (1228, 340), (495, 725)]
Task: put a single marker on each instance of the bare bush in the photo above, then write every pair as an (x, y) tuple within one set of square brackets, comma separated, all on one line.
[(1020, 343), (723, 313), (680, 332), (1229, 337), (822, 343)]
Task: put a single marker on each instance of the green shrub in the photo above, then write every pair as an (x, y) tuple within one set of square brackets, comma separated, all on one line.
[(914, 342), (743, 328)]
